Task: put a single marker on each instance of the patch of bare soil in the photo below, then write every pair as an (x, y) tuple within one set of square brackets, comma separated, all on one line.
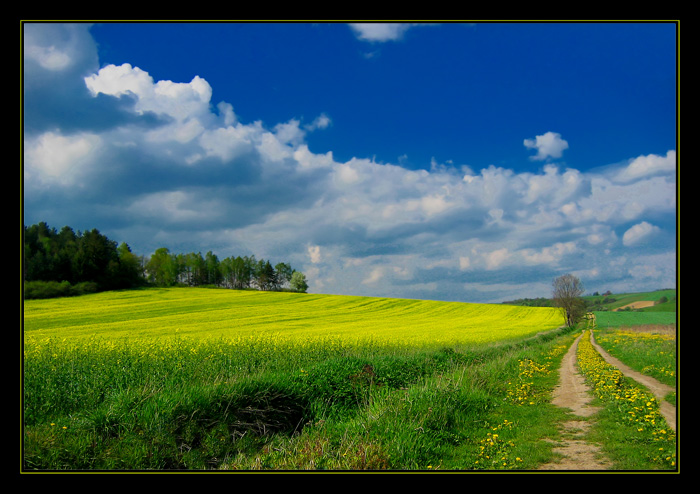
[(637, 305), (573, 393), (577, 453)]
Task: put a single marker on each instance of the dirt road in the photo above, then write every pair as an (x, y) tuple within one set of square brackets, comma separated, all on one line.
[(573, 393)]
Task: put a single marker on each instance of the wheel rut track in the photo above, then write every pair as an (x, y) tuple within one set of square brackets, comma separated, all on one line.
[(659, 389), (574, 394)]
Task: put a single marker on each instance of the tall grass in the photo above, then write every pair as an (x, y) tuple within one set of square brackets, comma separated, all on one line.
[(184, 406), (649, 349), (213, 379)]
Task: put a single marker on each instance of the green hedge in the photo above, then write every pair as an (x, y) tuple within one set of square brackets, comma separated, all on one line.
[(52, 289)]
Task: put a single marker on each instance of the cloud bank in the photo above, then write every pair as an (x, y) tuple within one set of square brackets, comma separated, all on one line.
[(158, 163)]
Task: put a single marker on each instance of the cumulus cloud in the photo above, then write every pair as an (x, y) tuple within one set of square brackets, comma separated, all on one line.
[(321, 122), (379, 31), (548, 145), (55, 159), (167, 161), (549, 255), (58, 47), (374, 276), (638, 233), (646, 166), (314, 253)]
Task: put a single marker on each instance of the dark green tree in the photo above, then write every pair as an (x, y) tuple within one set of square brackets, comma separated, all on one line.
[(197, 269), (161, 268), (264, 275), (67, 241), (283, 272), (213, 269), (298, 282), (130, 270), (96, 259)]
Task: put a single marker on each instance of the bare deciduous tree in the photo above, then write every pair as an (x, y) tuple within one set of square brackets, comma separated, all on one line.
[(566, 295)]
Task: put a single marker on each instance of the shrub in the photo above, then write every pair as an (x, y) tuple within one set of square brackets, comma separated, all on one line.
[(53, 289), (46, 289)]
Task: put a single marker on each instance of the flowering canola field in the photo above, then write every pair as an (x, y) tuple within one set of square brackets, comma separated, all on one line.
[(204, 313)]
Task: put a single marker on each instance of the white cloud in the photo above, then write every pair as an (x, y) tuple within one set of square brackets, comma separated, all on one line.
[(48, 57), (57, 47), (177, 100), (117, 80), (185, 105), (348, 174), (607, 201), (549, 255), (272, 149), (496, 258), (290, 132), (649, 165), (548, 145), (55, 159), (657, 270), (314, 253), (309, 161), (176, 207), (638, 233), (229, 142), (379, 31), (320, 122), (402, 272), (226, 112), (352, 224), (375, 275)]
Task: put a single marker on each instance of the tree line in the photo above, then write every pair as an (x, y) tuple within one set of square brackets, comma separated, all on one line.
[(67, 262), (192, 269)]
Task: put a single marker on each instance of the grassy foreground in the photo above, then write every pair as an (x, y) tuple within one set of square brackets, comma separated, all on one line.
[(216, 379), (201, 379)]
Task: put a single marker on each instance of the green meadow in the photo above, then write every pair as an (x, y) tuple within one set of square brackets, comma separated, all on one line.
[(199, 379)]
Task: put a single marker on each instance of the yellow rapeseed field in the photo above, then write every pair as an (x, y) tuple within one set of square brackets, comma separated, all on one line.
[(205, 314)]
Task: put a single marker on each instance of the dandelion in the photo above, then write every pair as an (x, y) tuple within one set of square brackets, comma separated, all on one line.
[(636, 406)]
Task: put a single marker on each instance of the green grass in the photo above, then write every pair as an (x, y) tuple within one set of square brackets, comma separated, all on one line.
[(204, 379), (617, 300), (364, 408), (651, 350), (218, 379), (629, 427), (633, 318)]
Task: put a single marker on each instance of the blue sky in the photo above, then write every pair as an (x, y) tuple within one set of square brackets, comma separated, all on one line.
[(452, 161)]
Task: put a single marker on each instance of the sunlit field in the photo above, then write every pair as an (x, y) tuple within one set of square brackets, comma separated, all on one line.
[(228, 314), (212, 378)]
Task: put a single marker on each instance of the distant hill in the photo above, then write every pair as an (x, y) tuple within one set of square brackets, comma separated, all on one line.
[(658, 301), (531, 302)]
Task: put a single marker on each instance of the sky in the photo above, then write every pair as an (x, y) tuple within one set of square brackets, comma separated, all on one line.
[(470, 162)]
